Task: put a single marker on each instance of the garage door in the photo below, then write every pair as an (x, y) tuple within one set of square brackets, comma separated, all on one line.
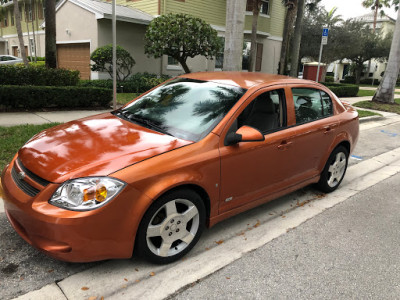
[(75, 57)]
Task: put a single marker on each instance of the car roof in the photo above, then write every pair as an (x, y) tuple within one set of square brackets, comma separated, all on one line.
[(244, 80)]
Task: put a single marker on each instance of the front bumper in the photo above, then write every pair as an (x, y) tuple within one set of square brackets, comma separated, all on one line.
[(104, 233)]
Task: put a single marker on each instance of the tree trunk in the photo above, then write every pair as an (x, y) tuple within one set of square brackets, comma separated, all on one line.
[(50, 34), (358, 70), (29, 36), (184, 65), (33, 29), (17, 16), (233, 53), (253, 49), (294, 58), (385, 91), (287, 33)]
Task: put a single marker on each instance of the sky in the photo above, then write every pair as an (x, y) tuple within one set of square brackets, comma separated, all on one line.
[(352, 8)]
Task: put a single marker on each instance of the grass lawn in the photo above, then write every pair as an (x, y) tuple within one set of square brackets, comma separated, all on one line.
[(366, 113), (395, 108), (12, 138), (123, 98), (363, 93)]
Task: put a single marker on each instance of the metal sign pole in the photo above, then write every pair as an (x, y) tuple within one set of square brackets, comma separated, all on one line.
[(114, 53), (324, 41), (319, 61)]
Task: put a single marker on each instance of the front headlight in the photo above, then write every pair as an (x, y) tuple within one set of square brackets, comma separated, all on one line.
[(86, 193)]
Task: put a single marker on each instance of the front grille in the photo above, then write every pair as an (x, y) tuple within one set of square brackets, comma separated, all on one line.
[(33, 176), (23, 185)]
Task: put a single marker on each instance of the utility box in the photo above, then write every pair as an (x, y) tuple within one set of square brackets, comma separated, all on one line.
[(310, 71)]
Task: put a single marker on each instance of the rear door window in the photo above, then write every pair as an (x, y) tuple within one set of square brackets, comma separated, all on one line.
[(311, 104)]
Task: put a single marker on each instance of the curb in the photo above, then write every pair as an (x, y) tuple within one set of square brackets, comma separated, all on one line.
[(371, 118)]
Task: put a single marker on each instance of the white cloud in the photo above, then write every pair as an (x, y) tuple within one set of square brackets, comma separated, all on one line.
[(351, 8)]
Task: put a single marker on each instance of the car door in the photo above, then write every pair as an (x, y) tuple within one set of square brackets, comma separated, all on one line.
[(316, 127), (252, 170)]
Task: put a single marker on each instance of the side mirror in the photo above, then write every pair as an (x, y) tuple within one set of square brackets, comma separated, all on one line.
[(244, 134)]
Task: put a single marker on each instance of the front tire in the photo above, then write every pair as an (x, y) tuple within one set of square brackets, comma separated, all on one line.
[(171, 227), (334, 170)]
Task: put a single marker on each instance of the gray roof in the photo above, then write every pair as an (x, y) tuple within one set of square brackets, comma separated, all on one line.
[(369, 18), (103, 10)]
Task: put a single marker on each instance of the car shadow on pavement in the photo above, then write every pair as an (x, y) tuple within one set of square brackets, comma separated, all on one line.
[(24, 269)]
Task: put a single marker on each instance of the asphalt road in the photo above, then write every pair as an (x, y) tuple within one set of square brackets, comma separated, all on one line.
[(24, 269), (350, 251)]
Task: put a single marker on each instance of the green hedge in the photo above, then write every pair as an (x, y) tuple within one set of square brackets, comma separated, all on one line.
[(349, 79), (38, 58), (28, 97), (137, 83), (343, 90), (37, 76), (329, 79), (369, 81)]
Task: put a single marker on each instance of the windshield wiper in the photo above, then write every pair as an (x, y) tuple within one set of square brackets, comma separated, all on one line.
[(139, 120)]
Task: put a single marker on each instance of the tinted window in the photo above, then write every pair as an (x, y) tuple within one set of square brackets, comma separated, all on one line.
[(311, 104), (327, 107), (266, 112), (185, 108)]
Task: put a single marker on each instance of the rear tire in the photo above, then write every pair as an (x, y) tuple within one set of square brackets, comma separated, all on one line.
[(334, 170), (171, 227)]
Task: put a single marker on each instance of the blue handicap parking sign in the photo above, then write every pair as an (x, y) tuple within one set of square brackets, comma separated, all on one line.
[(325, 32)]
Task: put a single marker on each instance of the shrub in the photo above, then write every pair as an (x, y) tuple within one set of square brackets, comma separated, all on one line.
[(102, 58), (329, 79), (330, 74), (137, 83), (38, 58), (181, 36), (28, 97), (343, 90), (348, 79), (37, 76), (369, 81)]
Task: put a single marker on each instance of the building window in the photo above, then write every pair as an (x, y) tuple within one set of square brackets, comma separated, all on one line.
[(172, 61), (32, 46), (264, 6), (219, 58), (40, 10), (5, 20), (29, 13), (12, 19), (246, 55)]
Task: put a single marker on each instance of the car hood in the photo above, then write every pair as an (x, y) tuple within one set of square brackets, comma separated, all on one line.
[(93, 146)]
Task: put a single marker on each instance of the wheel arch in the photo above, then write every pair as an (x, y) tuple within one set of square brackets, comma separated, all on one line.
[(345, 144), (196, 188)]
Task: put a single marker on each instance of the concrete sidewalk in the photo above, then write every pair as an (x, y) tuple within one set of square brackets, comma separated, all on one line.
[(36, 118)]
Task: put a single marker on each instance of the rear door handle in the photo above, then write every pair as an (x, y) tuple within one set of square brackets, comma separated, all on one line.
[(284, 145), (330, 128)]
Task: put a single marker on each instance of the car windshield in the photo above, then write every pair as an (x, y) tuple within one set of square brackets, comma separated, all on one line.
[(185, 108)]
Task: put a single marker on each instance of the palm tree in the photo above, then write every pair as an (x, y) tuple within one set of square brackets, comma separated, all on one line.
[(256, 5), (50, 34), (233, 55), (376, 5), (17, 17), (385, 91), (329, 19), (291, 6), (294, 56)]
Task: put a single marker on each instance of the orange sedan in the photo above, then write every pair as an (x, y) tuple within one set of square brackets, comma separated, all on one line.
[(191, 152)]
